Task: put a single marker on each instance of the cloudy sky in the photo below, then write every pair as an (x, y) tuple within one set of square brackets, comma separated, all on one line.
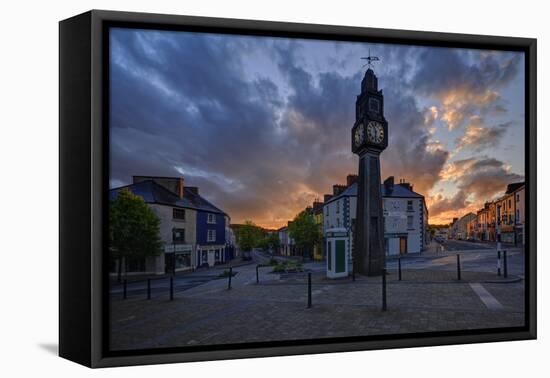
[(262, 125)]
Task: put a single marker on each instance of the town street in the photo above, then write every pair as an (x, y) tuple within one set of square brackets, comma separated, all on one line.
[(428, 298)]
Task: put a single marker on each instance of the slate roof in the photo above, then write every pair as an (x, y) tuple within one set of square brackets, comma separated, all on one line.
[(398, 191), (514, 186), (151, 192)]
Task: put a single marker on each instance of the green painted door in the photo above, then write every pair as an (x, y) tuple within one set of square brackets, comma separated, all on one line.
[(340, 258)]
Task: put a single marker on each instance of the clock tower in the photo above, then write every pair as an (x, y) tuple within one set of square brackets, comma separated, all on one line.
[(369, 137)]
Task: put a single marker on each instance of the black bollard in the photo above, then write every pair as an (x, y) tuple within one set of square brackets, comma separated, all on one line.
[(148, 288), (309, 290), (171, 288), (458, 267), (399, 268), (505, 264), (229, 280), (498, 263), (124, 284), (384, 303), (257, 275)]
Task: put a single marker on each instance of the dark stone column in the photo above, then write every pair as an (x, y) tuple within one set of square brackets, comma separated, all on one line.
[(369, 258)]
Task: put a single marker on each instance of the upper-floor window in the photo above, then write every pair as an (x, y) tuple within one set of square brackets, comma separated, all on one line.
[(178, 214), (178, 235), (517, 197), (409, 205), (509, 203), (211, 218), (410, 222), (327, 209), (517, 216), (337, 207), (211, 236), (338, 222)]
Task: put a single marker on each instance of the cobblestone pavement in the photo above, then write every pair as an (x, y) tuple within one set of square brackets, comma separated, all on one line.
[(275, 309)]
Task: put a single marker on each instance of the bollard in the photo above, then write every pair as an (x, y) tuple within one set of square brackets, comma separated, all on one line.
[(505, 264), (498, 263), (458, 266), (229, 280), (171, 288), (148, 288), (309, 290), (124, 284), (399, 268), (384, 303), (257, 275)]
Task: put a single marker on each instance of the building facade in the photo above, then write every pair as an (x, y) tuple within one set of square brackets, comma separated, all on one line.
[(194, 231), (405, 219)]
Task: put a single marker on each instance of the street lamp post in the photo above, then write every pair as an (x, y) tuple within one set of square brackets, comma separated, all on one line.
[(173, 252)]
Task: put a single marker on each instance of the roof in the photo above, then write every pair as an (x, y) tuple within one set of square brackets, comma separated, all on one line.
[(514, 186), (398, 191), (151, 192)]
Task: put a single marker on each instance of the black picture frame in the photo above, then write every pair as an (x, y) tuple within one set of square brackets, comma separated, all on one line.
[(83, 197)]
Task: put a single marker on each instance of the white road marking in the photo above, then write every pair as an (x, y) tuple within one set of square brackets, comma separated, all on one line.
[(488, 300)]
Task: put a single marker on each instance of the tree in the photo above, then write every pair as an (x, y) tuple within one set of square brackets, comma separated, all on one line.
[(134, 229), (248, 236), (305, 232), (269, 242)]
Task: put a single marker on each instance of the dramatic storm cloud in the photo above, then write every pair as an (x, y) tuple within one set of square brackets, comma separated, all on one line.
[(262, 125)]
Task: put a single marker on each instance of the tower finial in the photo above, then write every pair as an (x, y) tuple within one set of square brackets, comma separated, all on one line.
[(369, 60)]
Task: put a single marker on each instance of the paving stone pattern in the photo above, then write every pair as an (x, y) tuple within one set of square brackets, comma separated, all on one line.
[(276, 310)]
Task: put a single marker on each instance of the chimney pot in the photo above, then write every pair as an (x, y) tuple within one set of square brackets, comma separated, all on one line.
[(181, 187)]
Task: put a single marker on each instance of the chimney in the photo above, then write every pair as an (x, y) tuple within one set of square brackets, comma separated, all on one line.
[(327, 197), (181, 187), (351, 179), (388, 184), (405, 184), (337, 189)]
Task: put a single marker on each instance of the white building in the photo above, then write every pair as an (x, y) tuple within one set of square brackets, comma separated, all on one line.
[(286, 243), (405, 218)]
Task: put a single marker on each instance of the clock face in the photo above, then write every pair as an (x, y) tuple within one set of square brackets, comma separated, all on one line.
[(359, 134), (375, 132)]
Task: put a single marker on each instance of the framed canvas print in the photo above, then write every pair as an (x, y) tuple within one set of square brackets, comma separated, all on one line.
[(234, 188)]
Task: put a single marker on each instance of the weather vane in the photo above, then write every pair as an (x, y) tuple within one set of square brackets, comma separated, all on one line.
[(370, 59)]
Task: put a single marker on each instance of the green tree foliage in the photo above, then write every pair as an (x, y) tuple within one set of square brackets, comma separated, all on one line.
[(249, 236), (134, 229), (305, 232), (269, 242)]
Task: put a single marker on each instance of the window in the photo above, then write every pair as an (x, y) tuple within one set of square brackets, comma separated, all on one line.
[(178, 235), (183, 260), (327, 209), (517, 216), (410, 222), (509, 203), (217, 255), (410, 206), (517, 197), (337, 207), (178, 214), (211, 236), (211, 218), (338, 222), (374, 105)]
